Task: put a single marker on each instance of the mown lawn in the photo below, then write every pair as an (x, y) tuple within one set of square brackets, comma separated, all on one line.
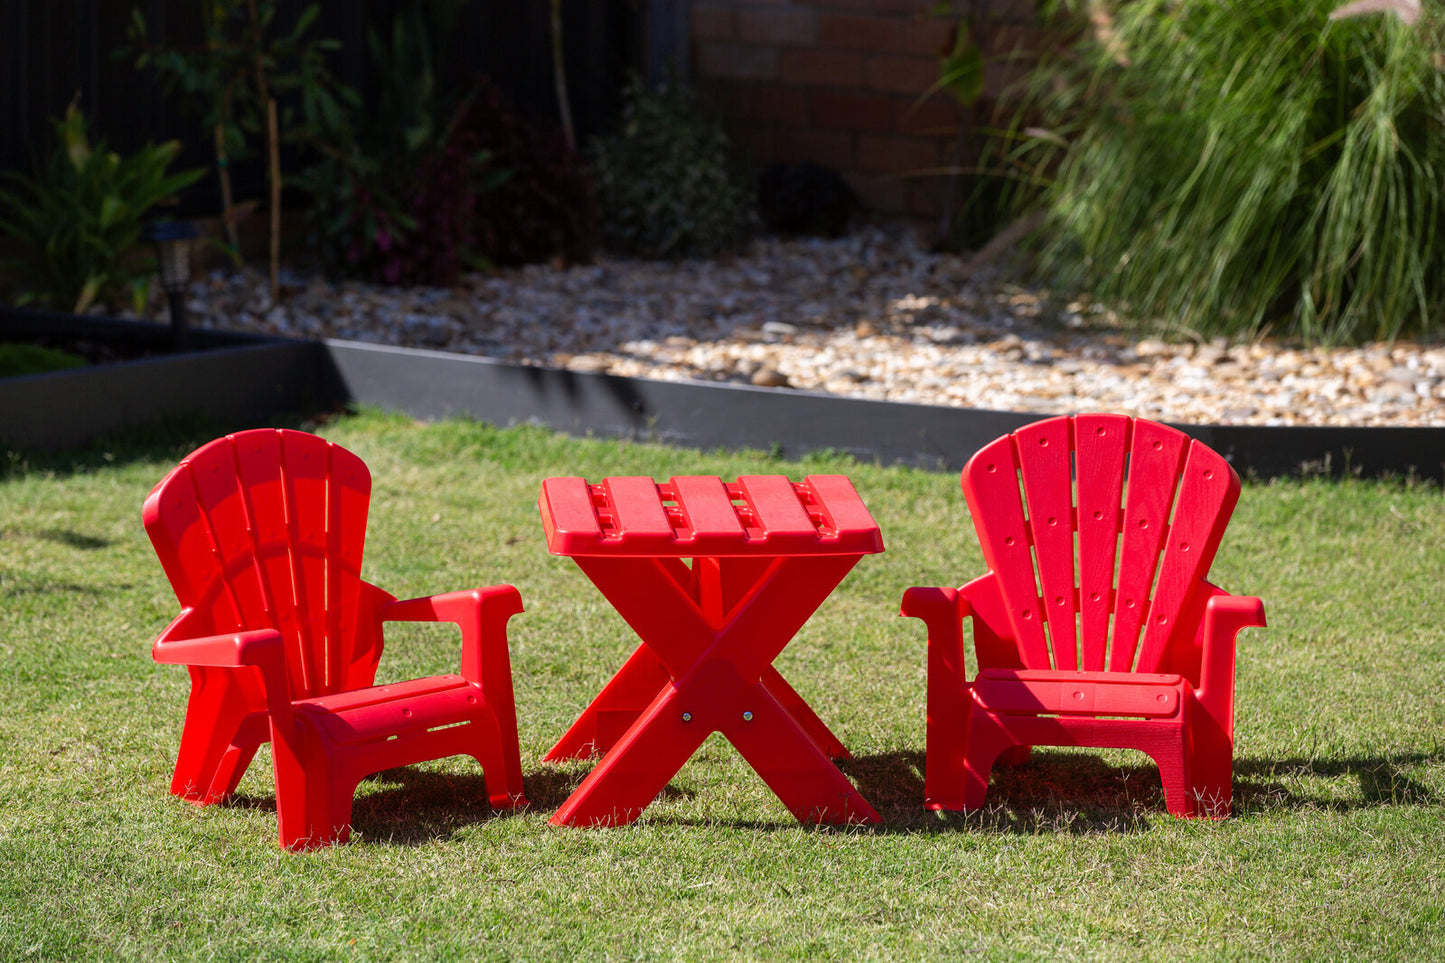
[(1335, 849)]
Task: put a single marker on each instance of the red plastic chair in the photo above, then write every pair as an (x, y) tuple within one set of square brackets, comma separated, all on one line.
[(261, 535), (1095, 625)]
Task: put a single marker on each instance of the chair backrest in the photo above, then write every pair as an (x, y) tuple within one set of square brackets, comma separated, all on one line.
[(1100, 530), (265, 529)]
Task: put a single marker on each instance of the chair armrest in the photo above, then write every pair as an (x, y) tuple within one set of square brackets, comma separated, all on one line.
[(942, 610), (261, 649), (481, 614), (229, 650), (934, 604), (1224, 617)]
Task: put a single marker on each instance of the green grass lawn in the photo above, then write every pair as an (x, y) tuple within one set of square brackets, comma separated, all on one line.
[(1336, 849)]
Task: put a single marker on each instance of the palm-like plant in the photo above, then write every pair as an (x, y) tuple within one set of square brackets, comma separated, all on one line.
[(77, 223)]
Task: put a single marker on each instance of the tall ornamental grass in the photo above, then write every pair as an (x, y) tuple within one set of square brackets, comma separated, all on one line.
[(1240, 167)]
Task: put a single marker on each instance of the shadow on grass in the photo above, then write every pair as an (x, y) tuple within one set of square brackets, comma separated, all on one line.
[(74, 539), (409, 806), (1051, 793), (1054, 793), (1260, 784)]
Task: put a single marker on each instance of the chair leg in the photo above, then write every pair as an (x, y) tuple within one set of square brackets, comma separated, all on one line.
[(950, 707), (313, 795), (987, 741), (500, 761), (504, 779), (1172, 758), (210, 762), (1211, 764), (943, 763)]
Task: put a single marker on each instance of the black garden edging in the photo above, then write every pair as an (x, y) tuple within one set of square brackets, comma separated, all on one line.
[(244, 381), (229, 378), (432, 384)]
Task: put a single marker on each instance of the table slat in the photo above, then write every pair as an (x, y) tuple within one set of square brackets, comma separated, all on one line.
[(840, 503), (709, 508), (637, 507), (775, 504), (567, 515), (701, 516)]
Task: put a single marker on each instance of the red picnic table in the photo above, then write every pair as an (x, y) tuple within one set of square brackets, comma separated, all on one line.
[(765, 552)]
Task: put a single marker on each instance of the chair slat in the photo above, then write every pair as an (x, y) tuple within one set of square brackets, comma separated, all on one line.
[(991, 487), (347, 502), (1100, 443), (1044, 465), (1155, 456), (261, 489), (217, 490), (305, 462), (1208, 491)]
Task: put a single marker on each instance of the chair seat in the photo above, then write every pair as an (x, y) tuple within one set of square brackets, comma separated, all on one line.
[(384, 711), (1035, 691)]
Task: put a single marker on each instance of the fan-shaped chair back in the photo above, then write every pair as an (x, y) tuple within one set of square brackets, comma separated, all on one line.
[(265, 529), (1100, 530)]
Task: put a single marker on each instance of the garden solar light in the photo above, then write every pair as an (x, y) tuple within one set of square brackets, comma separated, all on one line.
[(173, 252)]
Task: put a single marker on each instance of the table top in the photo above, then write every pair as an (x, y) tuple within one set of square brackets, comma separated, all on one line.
[(703, 516)]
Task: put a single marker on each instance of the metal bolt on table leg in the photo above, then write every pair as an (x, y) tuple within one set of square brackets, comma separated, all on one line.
[(687, 717), (747, 717)]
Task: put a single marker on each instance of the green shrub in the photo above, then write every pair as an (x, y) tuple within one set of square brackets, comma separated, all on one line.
[(667, 182), (394, 188), (545, 209), (1234, 168), (78, 221)]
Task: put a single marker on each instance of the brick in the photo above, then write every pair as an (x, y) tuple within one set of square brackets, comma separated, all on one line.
[(738, 61), (927, 37), (789, 26), (1008, 39), (757, 143), (822, 67), (909, 75), (999, 77), (763, 103), (713, 21), (909, 7), (851, 32), (896, 154), (937, 116), (886, 195), (821, 147), (834, 110), (925, 196), (1018, 11)]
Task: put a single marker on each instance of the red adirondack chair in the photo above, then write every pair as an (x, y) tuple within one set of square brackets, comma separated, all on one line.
[(261, 536), (1095, 625)]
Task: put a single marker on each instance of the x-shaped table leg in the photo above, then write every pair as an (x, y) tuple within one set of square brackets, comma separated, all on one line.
[(714, 659), (640, 679)]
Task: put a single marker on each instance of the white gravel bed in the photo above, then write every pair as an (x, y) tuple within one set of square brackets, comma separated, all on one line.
[(874, 315)]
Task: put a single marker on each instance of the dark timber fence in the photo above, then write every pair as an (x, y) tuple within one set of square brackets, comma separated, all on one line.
[(52, 50)]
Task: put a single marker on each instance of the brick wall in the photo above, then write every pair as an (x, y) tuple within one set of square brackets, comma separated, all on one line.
[(838, 82)]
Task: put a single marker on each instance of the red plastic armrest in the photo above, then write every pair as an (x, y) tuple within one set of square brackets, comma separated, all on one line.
[(942, 611), (262, 649), (932, 604), (1224, 617), (481, 614), (258, 647)]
